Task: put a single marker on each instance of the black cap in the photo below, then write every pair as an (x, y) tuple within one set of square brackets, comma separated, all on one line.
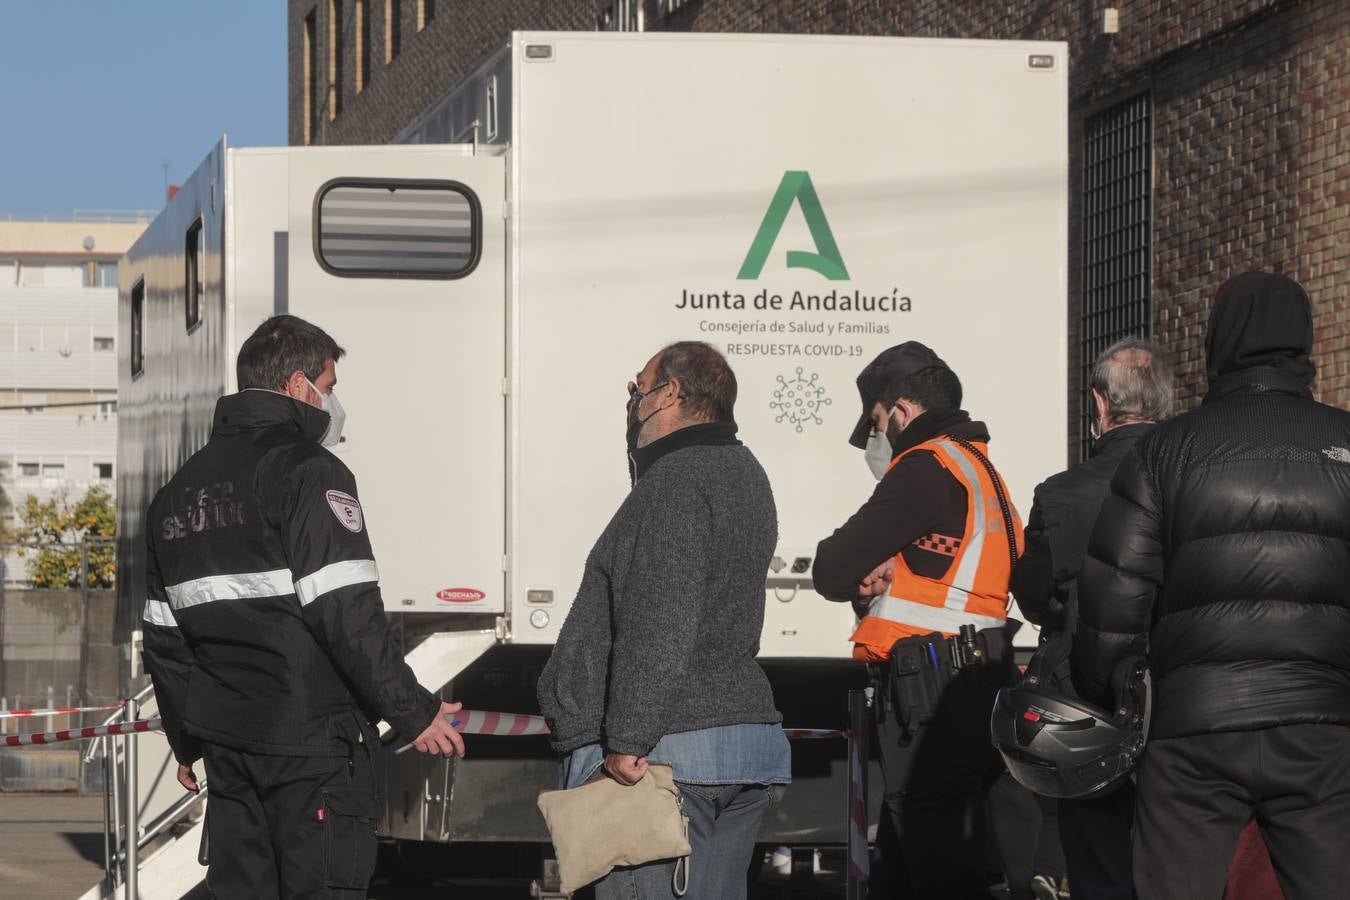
[(891, 365)]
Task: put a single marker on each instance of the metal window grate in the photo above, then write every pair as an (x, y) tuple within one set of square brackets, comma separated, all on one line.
[(1117, 234)]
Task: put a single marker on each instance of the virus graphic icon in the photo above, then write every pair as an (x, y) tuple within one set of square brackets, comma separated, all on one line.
[(799, 400)]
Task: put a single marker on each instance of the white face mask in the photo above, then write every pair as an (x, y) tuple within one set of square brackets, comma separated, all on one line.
[(878, 454), (337, 416)]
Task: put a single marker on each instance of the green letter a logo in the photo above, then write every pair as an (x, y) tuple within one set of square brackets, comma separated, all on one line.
[(826, 260)]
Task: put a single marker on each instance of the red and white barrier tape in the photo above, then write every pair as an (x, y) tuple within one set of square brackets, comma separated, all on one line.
[(79, 734), (55, 711), (500, 724), (859, 862), (813, 734)]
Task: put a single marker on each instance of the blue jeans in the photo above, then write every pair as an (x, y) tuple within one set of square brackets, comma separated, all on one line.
[(723, 827)]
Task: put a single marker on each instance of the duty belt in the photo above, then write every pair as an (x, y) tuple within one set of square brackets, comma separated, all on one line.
[(978, 648)]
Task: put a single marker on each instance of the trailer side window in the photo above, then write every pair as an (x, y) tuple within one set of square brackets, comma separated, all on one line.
[(137, 328), (193, 275), (490, 104), (397, 228)]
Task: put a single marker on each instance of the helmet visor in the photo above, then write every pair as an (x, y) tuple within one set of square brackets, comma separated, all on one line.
[(1091, 778)]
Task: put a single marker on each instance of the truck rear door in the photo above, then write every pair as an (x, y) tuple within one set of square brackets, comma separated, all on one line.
[(398, 252)]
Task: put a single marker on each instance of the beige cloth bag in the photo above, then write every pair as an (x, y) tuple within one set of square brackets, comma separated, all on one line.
[(604, 824)]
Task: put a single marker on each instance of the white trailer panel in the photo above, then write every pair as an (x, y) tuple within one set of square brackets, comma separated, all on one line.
[(940, 169)]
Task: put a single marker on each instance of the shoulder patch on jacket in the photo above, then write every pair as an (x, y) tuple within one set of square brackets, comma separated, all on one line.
[(347, 510)]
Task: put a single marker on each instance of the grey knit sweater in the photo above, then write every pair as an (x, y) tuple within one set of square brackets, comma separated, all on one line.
[(664, 630)]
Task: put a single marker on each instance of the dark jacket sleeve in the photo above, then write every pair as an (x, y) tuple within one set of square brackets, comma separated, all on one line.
[(168, 659), (657, 610), (906, 505), (1120, 579), (328, 548), (1034, 582)]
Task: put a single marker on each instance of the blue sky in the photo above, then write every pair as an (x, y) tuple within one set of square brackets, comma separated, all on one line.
[(98, 94)]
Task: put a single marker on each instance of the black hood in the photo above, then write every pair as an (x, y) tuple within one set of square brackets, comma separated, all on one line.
[(1260, 319)]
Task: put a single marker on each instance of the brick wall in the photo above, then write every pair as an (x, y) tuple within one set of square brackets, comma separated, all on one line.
[(1251, 108), (457, 37)]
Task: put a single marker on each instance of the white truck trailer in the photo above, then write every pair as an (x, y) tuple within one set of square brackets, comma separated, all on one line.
[(581, 200)]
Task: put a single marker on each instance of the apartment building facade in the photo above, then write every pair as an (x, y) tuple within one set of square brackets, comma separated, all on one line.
[(58, 358)]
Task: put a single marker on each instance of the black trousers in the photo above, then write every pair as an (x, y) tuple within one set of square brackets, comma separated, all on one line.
[(1096, 838), (288, 827), (938, 764), (1196, 793), (1025, 832)]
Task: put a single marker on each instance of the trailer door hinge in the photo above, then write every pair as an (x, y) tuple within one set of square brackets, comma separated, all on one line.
[(506, 209), (506, 562), (506, 387)]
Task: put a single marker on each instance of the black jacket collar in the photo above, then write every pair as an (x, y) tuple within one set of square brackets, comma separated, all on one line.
[(1120, 438), (253, 410), (933, 424), (1256, 380), (705, 434)]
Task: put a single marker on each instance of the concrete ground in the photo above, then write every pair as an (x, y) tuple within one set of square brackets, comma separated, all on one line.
[(51, 845)]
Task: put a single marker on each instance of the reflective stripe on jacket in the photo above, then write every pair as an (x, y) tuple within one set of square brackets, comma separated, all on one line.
[(974, 588)]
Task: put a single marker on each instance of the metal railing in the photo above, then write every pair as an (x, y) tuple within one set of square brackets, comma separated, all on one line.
[(121, 809)]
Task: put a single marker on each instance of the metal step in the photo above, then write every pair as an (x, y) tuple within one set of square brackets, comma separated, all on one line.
[(167, 874)]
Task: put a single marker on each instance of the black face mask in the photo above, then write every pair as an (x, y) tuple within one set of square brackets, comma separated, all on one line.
[(634, 426), (634, 423)]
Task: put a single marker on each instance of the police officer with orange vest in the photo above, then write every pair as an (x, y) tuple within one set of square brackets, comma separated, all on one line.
[(926, 562)]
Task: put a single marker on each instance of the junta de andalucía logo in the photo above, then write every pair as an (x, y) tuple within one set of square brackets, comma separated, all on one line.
[(796, 187)]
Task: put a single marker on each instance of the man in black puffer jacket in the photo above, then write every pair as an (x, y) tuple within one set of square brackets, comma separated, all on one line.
[(1224, 548)]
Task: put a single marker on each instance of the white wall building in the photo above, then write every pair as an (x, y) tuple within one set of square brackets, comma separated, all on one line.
[(58, 358)]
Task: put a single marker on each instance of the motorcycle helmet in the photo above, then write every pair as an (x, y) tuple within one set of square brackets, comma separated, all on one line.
[(1058, 745)]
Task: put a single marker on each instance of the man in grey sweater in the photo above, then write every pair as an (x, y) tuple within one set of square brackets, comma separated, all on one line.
[(656, 661)]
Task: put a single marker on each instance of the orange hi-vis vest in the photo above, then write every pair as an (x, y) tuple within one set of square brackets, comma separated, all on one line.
[(974, 589)]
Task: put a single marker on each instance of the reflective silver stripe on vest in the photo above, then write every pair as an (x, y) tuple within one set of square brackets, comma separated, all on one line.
[(243, 586), (157, 612), (334, 576), (931, 618), (963, 579)]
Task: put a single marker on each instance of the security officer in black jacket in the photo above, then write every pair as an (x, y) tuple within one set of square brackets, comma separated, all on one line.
[(1131, 390), (1224, 547), (265, 633)]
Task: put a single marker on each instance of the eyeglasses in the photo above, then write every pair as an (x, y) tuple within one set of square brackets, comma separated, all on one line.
[(635, 396)]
